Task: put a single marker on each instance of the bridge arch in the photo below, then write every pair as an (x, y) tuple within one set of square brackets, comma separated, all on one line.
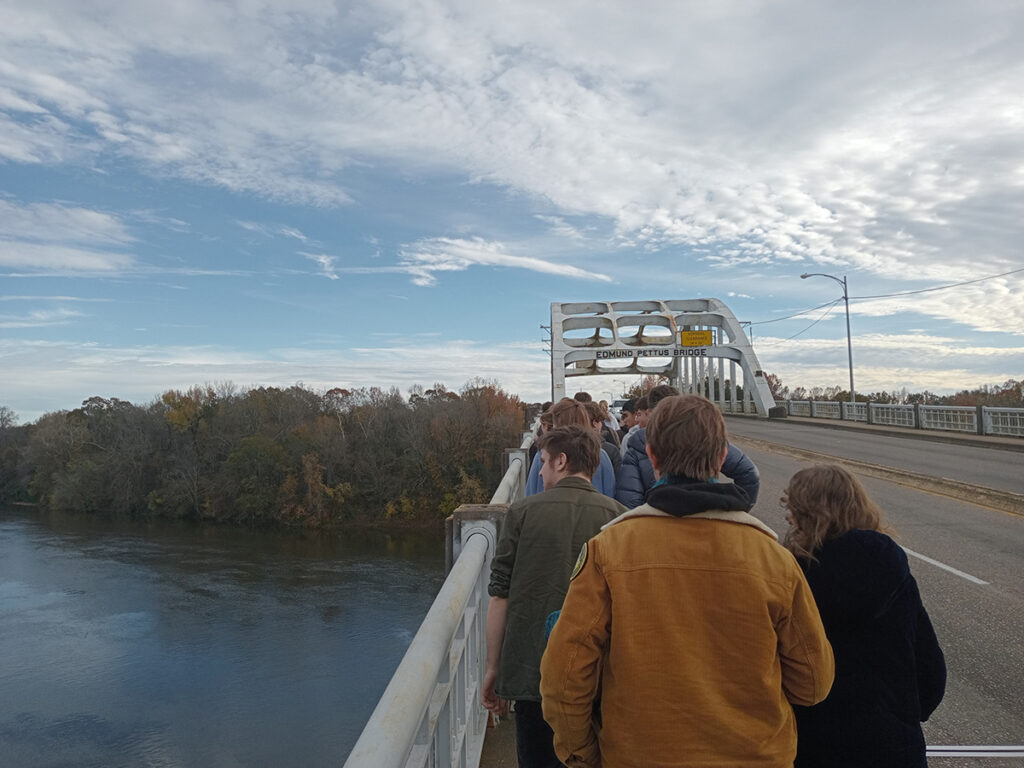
[(684, 339)]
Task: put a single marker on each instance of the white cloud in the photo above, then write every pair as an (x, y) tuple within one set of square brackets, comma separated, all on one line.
[(863, 136), (443, 254), (45, 376), (42, 258), (48, 222), (39, 318), (326, 264), (941, 364)]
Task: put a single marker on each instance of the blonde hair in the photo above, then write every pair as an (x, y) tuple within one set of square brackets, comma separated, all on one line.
[(686, 434), (824, 502)]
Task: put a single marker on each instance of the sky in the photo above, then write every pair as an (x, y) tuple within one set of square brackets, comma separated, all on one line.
[(392, 192)]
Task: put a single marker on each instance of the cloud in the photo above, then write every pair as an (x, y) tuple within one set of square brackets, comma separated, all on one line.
[(43, 376), (326, 264), (42, 258), (39, 318), (271, 230), (49, 222), (52, 238), (860, 136), (424, 259), (942, 364), (562, 228)]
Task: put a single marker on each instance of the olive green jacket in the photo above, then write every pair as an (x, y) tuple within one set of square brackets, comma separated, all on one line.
[(539, 543)]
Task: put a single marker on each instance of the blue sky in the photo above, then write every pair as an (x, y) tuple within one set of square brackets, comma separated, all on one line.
[(393, 192)]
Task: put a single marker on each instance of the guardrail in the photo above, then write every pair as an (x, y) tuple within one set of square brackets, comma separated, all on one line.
[(430, 713), (976, 420)]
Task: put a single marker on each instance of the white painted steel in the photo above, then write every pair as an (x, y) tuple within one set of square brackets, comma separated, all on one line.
[(430, 713), (1003, 421), (892, 415), (1007, 422), (854, 411), (513, 483), (949, 418), (624, 337), (826, 409), (799, 407)]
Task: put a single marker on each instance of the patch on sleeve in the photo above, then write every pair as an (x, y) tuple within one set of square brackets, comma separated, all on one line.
[(580, 562)]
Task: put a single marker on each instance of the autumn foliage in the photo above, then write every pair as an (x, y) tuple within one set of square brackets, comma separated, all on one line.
[(267, 455)]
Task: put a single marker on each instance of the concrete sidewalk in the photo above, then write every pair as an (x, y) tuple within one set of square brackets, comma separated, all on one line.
[(500, 744)]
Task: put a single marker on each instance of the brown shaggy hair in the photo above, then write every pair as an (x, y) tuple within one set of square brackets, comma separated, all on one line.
[(687, 435), (594, 411), (659, 393), (824, 502), (567, 411), (580, 445)]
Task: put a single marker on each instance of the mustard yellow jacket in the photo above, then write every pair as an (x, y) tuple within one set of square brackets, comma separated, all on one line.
[(699, 631)]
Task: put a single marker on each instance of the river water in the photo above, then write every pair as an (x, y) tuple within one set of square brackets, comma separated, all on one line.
[(160, 644)]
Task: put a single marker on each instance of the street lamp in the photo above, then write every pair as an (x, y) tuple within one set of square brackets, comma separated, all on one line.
[(846, 298)]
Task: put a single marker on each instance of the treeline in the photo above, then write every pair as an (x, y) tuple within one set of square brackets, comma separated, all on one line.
[(1009, 394), (267, 455)]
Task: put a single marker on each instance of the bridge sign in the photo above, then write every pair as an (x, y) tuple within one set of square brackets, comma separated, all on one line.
[(695, 338)]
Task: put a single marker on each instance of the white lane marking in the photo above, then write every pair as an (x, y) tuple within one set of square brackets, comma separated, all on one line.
[(976, 751), (944, 567)]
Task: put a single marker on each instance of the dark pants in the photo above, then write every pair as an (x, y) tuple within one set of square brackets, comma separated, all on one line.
[(534, 737)]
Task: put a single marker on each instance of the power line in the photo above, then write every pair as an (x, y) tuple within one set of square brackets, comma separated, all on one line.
[(790, 317), (886, 296), (939, 288), (825, 314)]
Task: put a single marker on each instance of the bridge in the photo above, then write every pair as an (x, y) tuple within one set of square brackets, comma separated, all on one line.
[(951, 484)]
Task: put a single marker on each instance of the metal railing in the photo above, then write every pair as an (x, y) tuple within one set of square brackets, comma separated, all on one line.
[(430, 713), (977, 420)]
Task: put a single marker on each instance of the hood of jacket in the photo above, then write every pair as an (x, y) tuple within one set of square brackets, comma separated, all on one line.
[(708, 500)]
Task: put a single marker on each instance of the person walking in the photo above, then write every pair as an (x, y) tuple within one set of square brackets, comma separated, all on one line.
[(696, 626), (529, 576), (890, 670)]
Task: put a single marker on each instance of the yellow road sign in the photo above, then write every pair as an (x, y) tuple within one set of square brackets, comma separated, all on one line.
[(695, 338)]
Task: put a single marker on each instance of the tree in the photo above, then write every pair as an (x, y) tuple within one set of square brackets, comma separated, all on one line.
[(778, 390), (645, 385)]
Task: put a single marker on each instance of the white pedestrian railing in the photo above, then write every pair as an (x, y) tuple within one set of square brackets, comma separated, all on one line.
[(430, 713), (978, 420)]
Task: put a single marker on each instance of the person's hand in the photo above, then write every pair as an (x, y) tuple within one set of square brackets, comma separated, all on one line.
[(490, 700)]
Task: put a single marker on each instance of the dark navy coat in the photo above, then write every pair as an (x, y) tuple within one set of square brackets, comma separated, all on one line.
[(636, 476), (890, 671)]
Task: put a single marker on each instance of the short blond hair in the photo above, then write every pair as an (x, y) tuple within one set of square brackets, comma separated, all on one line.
[(687, 435)]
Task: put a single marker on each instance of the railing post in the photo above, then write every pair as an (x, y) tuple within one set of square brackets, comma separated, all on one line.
[(870, 412), (981, 420), (918, 422)]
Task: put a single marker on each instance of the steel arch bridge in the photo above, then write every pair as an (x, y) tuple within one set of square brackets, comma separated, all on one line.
[(684, 339)]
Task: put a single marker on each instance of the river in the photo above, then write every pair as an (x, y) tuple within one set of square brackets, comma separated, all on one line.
[(161, 644)]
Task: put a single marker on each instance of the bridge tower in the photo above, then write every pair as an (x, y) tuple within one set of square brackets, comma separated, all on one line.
[(686, 340)]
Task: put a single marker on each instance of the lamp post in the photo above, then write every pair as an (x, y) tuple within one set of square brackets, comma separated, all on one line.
[(849, 342)]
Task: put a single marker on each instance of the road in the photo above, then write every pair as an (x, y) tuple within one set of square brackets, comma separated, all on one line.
[(993, 468), (972, 583)]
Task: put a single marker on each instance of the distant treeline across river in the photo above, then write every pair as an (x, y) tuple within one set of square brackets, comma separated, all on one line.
[(260, 456)]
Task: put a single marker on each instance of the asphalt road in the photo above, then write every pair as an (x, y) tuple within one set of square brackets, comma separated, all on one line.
[(980, 625), (989, 467)]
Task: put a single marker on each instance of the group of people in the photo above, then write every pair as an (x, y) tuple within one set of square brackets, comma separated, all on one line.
[(661, 624), (625, 472)]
